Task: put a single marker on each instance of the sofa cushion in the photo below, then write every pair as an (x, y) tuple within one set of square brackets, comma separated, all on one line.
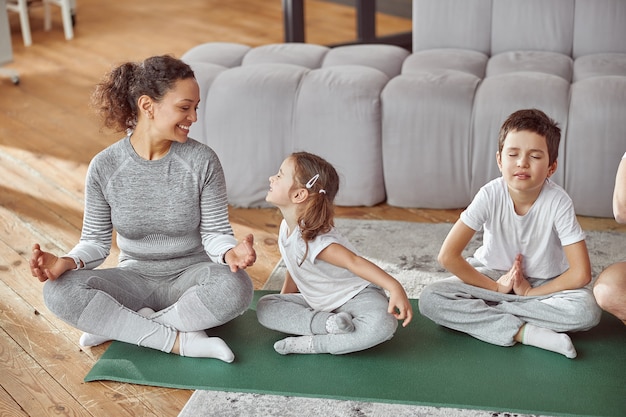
[(452, 24), (427, 120), (464, 60), (306, 55), (596, 141), (599, 27), (221, 53), (533, 61), (599, 65), (537, 25), (386, 58), (337, 116), (246, 125)]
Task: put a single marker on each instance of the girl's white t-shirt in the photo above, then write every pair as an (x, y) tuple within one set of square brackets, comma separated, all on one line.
[(324, 286)]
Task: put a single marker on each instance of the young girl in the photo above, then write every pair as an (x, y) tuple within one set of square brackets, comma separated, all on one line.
[(341, 306)]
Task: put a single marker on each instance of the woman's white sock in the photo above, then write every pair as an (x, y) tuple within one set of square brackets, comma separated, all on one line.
[(548, 339), (199, 345), (90, 339)]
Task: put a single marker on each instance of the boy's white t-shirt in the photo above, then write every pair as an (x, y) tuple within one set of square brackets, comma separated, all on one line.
[(324, 286), (539, 235)]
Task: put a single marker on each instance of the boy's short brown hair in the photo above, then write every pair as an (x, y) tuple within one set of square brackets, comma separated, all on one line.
[(536, 121)]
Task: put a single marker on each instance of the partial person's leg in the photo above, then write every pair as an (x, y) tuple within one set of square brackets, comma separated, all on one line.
[(610, 290)]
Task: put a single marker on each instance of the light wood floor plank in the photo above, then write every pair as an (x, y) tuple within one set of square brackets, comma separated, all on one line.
[(29, 385), (8, 406)]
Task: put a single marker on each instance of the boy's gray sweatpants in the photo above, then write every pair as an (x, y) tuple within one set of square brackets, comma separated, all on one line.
[(104, 301), (496, 318), (290, 313)]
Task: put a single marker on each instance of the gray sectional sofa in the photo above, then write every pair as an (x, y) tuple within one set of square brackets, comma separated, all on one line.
[(419, 128)]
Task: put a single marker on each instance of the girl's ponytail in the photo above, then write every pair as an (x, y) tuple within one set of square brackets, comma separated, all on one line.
[(320, 178)]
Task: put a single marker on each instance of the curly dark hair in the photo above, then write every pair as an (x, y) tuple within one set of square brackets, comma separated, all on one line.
[(115, 97)]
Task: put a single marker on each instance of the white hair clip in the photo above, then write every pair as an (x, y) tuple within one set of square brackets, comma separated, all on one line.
[(312, 181)]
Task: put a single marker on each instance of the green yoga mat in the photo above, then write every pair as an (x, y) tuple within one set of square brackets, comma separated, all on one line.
[(424, 364)]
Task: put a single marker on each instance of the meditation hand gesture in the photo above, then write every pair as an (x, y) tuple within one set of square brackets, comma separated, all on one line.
[(521, 286), (506, 283), (241, 256), (44, 265)]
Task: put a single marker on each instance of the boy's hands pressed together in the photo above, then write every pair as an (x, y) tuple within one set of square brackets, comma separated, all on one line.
[(505, 283), (512, 279), (521, 286)]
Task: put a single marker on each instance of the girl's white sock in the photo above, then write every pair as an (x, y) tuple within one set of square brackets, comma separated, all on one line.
[(90, 339), (548, 339), (339, 323), (300, 344), (199, 345)]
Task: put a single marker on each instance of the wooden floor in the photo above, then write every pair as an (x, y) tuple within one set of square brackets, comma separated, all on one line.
[(48, 134)]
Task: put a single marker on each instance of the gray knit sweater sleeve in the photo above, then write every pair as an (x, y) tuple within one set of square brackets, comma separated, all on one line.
[(161, 210)]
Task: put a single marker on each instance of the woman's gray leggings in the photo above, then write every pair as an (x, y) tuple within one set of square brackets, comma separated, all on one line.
[(104, 302)]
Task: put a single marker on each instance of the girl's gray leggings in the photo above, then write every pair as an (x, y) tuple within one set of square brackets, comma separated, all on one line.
[(290, 313)]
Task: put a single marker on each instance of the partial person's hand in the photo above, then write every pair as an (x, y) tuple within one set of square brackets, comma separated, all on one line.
[(400, 306), (241, 256), (45, 266)]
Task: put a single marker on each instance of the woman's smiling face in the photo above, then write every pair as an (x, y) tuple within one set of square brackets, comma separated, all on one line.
[(177, 111)]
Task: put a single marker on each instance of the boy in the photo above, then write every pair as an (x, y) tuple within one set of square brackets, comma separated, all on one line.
[(526, 282)]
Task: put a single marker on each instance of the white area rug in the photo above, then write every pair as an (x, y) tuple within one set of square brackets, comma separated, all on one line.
[(407, 251)]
